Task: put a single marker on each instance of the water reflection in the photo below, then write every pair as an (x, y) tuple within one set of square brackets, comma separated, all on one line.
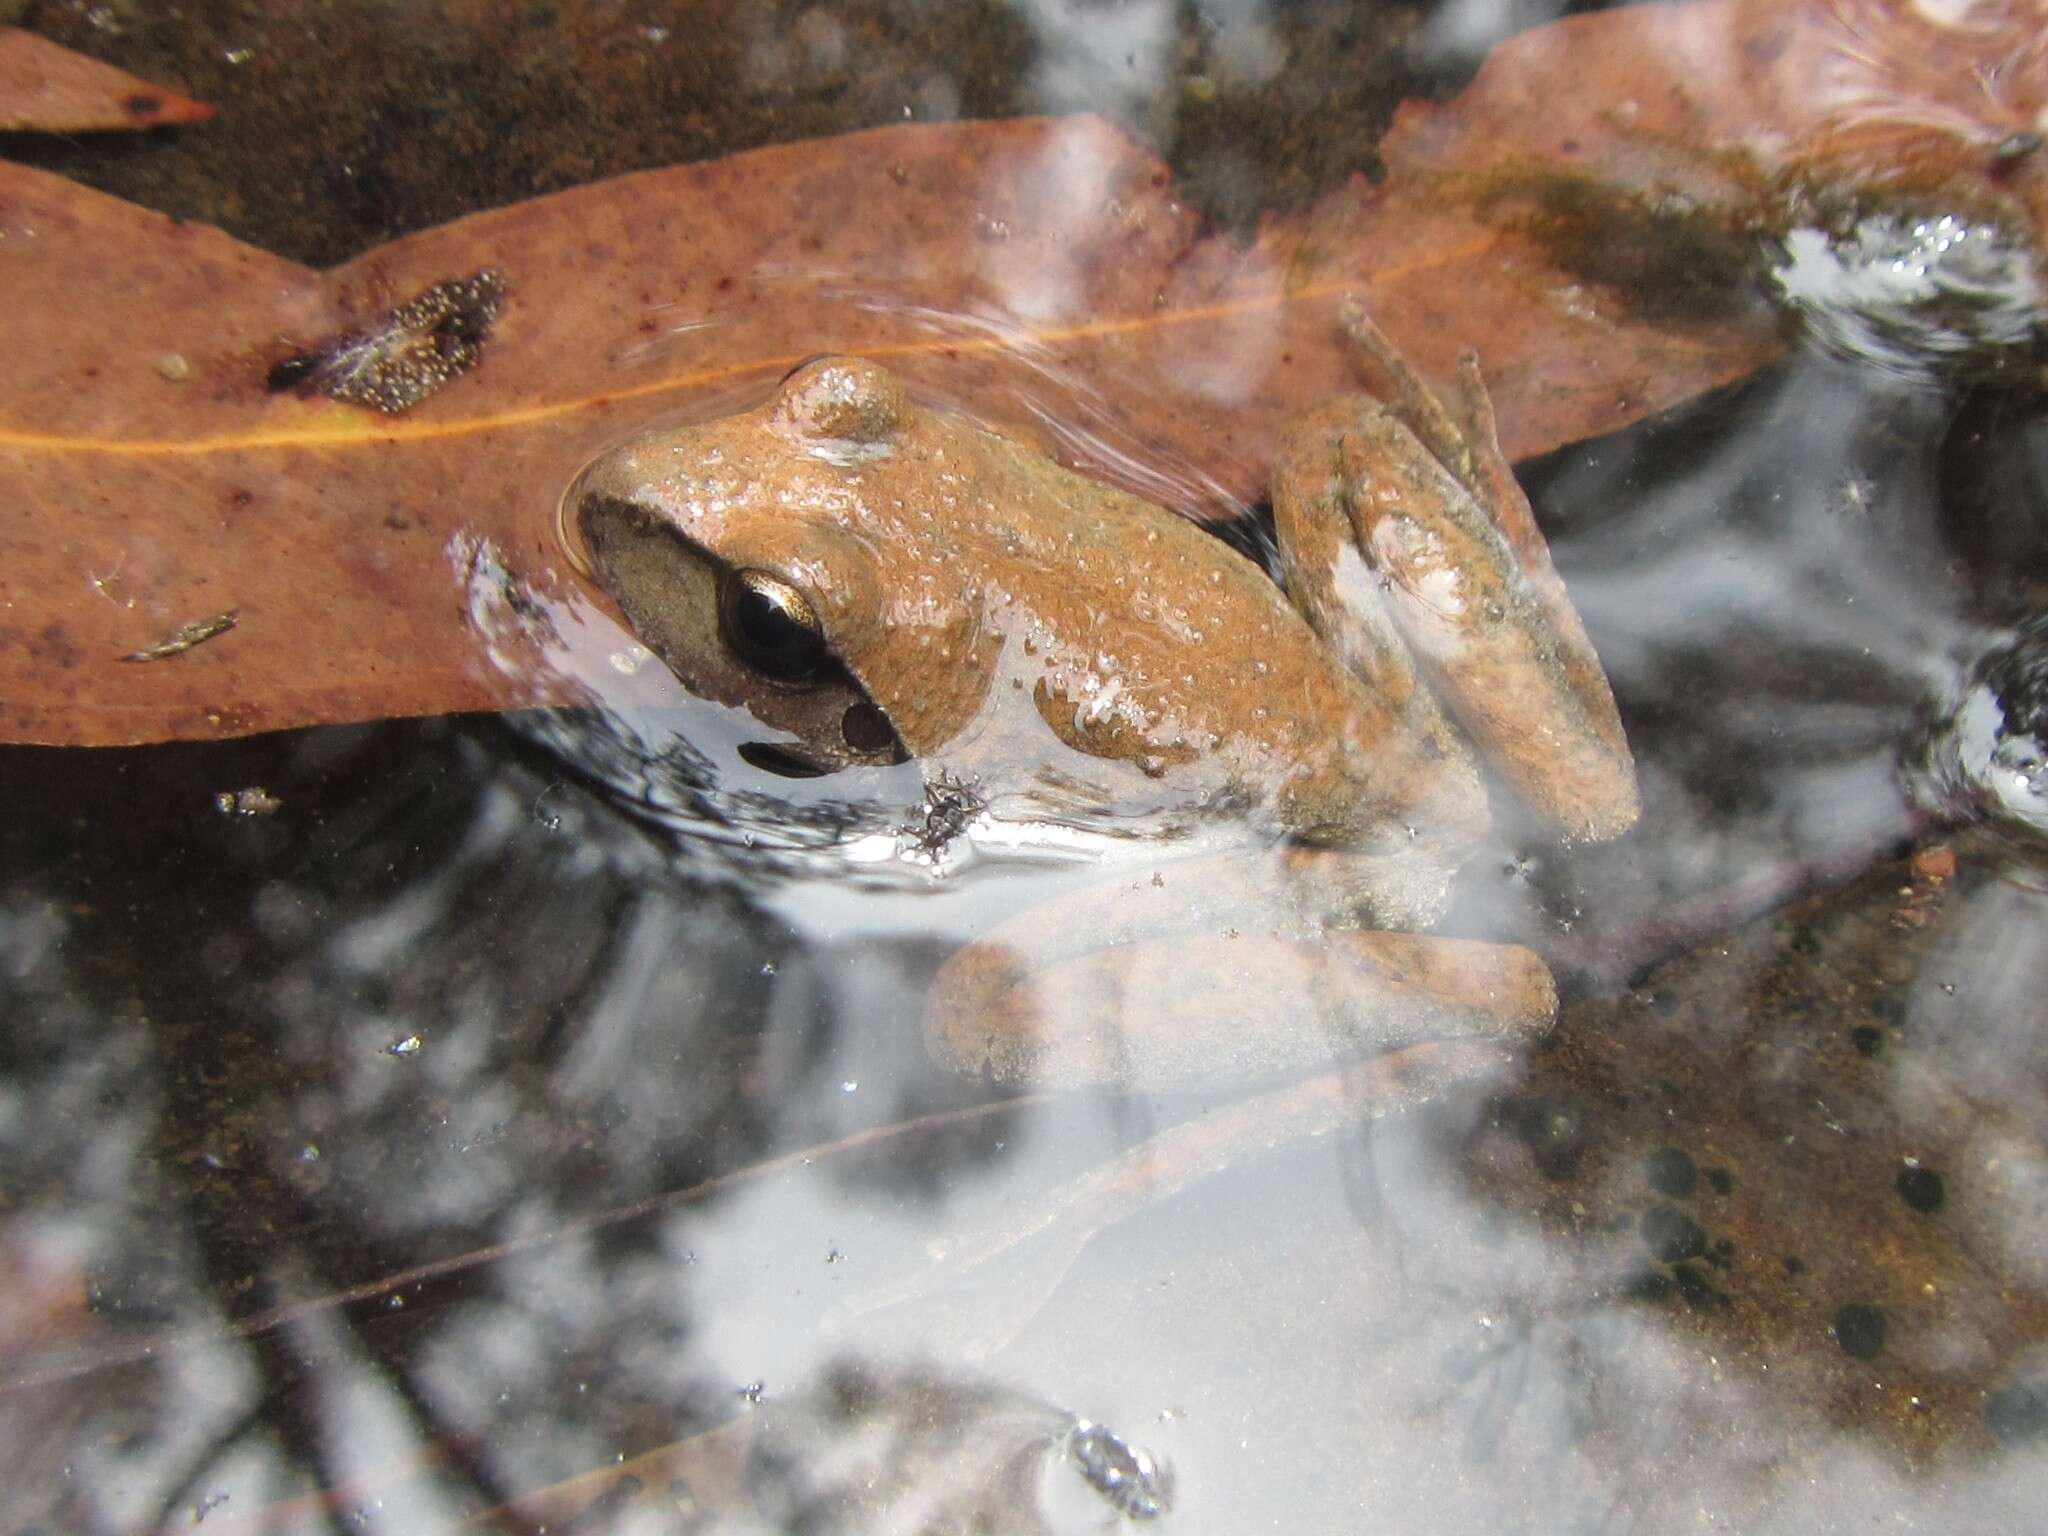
[(1778, 602), (527, 1124)]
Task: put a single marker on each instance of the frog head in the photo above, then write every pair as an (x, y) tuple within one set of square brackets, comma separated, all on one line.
[(787, 559)]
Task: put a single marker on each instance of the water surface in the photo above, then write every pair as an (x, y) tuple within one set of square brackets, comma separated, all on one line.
[(524, 1122)]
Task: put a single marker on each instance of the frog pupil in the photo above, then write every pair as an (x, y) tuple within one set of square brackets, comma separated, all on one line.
[(771, 626)]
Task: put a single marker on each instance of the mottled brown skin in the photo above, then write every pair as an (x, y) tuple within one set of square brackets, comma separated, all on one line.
[(1049, 638)]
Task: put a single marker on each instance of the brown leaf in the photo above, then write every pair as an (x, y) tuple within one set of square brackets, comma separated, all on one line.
[(1040, 273), (1022, 269), (1713, 99), (47, 89)]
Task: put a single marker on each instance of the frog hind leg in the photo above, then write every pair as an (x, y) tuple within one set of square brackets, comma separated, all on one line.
[(1216, 971), (1171, 1015), (1479, 600)]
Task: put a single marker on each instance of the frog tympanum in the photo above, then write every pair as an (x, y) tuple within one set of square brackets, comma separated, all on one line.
[(875, 578)]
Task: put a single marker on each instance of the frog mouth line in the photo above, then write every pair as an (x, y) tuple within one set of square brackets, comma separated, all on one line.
[(770, 757)]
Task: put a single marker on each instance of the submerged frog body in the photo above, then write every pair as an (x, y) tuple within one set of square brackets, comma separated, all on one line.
[(874, 578)]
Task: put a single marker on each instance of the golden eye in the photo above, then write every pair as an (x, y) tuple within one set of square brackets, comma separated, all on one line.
[(771, 626)]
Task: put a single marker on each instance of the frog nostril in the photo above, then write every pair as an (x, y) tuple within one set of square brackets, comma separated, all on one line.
[(865, 729)]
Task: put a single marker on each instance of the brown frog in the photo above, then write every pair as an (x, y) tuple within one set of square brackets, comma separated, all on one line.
[(875, 578)]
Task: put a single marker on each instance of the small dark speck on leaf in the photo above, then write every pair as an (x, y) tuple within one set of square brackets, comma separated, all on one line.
[(1921, 1188), (1671, 1235), (1859, 1328), (292, 372), (1671, 1172), (1553, 1132), (1868, 1039), (1650, 1285), (2019, 1413), (1695, 1289)]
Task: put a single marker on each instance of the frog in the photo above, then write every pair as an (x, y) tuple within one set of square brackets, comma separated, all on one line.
[(880, 578)]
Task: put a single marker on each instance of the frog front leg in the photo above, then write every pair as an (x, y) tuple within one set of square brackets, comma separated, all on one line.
[(1400, 517)]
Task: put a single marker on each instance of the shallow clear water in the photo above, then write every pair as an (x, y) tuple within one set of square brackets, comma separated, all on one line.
[(525, 1123)]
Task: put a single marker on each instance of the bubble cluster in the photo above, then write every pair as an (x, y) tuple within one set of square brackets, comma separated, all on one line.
[(1914, 295), (1987, 755)]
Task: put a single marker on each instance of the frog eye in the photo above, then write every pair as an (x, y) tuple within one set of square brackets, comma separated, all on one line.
[(771, 626), (840, 400)]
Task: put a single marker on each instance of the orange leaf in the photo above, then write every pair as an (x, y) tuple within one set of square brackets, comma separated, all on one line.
[(47, 89), (1708, 98), (1024, 269)]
